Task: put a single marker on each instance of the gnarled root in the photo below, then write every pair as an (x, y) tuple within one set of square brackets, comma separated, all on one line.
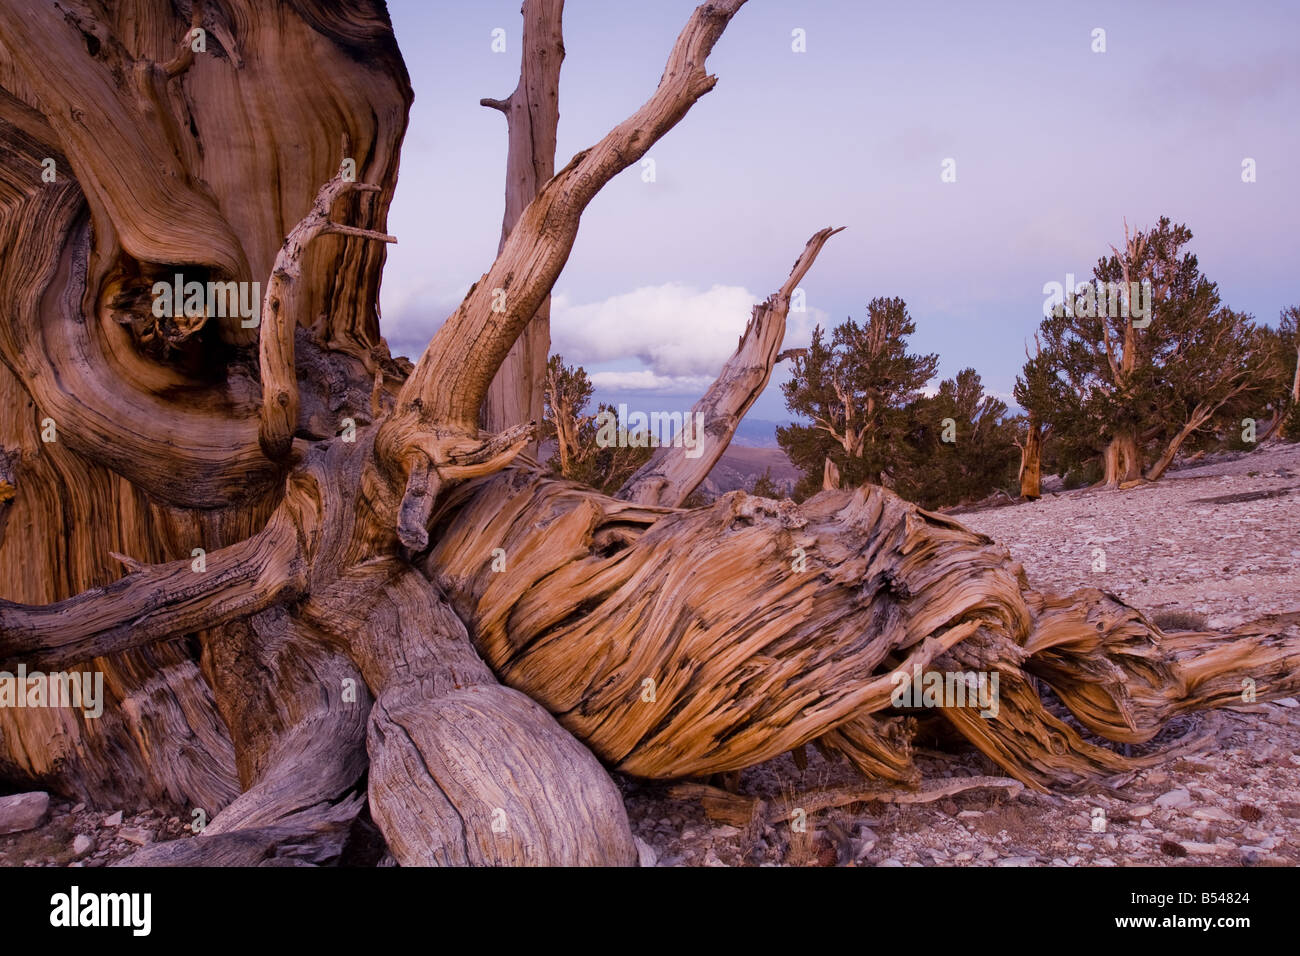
[(462, 769)]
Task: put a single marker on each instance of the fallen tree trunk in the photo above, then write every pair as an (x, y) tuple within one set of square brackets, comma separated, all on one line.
[(687, 643)]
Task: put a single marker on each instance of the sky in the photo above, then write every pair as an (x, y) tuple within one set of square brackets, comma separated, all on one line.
[(1053, 145)]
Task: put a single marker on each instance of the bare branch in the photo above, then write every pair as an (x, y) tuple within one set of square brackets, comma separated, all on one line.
[(675, 470), (279, 414), (157, 602), (437, 458), (184, 58), (452, 377)]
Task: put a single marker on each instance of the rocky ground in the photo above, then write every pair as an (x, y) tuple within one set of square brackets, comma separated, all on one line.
[(1211, 545)]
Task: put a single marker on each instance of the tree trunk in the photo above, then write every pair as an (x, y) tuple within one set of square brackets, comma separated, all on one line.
[(1295, 381), (1199, 417), (532, 114), (313, 621), (1123, 461), (1031, 462)]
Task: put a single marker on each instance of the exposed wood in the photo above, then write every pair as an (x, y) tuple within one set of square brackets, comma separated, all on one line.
[(452, 377), (739, 810), (749, 658), (156, 602), (281, 313), (532, 114), (674, 471)]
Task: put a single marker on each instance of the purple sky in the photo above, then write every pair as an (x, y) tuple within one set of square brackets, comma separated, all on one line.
[(1054, 145)]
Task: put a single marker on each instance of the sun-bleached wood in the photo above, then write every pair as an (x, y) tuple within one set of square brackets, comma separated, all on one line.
[(532, 115), (672, 474), (354, 638)]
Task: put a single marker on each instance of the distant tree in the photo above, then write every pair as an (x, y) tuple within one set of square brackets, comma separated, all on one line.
[(578, 455), (855, 390), (962, 445), (1035, 391), (565, 394), (1286, 409), (765, 487), (1135, 382)]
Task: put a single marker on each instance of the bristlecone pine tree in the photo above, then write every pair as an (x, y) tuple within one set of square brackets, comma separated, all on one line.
[(855, 389), (323, 596), (580, 451), (1134, 390), (962, 446)]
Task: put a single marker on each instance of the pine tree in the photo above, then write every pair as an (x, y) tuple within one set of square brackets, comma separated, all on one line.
[(578, 455), (855, 390), (1137, 376)]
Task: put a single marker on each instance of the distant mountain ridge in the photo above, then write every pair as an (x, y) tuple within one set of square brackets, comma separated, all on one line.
[(757, 433)]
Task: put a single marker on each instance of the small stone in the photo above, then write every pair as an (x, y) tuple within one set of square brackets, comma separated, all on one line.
[(1072, 860), (1174, 798), (113, 819), (646, 853), (23, 811), (1212, 813), (890, 862), (711, 859), (965, 856), (137, 835), (1200, 849), (723, 832), (1017, 861), (968, 814), (1145, 810), (78, 808), (82, 844)]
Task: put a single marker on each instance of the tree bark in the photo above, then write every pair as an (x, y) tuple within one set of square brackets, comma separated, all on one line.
[(532, 114), (675, 470), (1123, 461), (1031, 461)]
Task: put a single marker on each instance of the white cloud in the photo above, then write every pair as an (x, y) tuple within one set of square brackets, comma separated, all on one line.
[(648, 381), (682, 334), (410, 315)]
